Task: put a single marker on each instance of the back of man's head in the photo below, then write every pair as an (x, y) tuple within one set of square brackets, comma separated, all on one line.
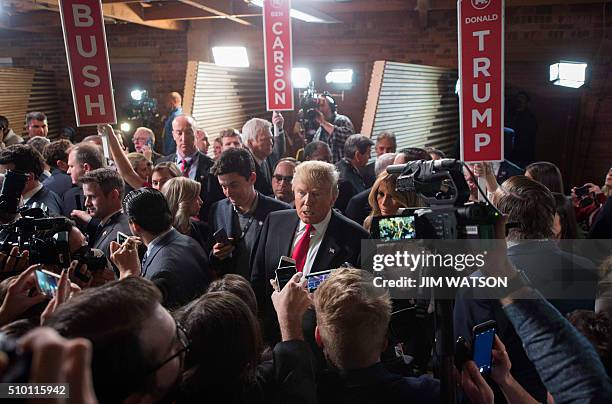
[(234, 160), (111, 317), (57, 151), (383, 162), (352, 318), (528, 203), (108, 180), (90, 153), (25, 158), (39, 143), (413, 153), (149, 209)]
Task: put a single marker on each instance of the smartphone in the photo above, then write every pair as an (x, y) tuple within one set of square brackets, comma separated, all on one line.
[(285, 261), (121, 237), (581, 191), (150, 143), (220, 236), (284, 275), (314, 279), (393, 228), (47, 282), (482, 345)]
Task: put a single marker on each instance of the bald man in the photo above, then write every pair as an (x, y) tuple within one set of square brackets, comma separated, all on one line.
[(174, 106)]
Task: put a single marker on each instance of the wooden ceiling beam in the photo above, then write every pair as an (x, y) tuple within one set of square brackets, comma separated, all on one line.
[(35, 21), (173, 12), (221, 8)]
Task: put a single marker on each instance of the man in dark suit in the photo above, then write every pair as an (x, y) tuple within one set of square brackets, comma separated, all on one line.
[(265, 147), (174, 262), (103, 190), (26, 160), (56, 155), (82, 158), (194, 164), (567, 280), (314, 235), (240, 215)]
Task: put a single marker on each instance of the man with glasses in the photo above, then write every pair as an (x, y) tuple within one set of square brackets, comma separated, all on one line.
[(138, 348), (282, 180), (240, 215)]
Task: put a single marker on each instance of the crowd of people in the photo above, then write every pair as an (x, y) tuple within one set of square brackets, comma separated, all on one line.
[(187, 305)]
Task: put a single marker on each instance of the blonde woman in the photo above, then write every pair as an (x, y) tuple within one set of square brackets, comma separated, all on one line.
[(142, 166), (386, 201), (183, 196)]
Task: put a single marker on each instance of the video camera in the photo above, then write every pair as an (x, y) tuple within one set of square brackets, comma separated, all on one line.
[(310, 101), (442, 186)]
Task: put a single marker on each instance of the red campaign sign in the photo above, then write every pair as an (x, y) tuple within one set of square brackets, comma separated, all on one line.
[(481, 74), (278, 58), (90, 77)]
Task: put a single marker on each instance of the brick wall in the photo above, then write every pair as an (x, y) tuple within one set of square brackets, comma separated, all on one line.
[(140, 57)]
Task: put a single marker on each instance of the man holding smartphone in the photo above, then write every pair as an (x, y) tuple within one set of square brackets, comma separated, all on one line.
[(144, 142)]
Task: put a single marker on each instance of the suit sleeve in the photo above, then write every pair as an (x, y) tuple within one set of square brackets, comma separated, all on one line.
[(259, 276)]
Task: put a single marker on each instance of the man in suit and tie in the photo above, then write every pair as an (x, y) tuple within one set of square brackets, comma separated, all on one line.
[(82, 158), (194, 164), (265, 148), (175, 263), (26, 160), (313, 234), (56, 156), (103, 190), (240, 215)]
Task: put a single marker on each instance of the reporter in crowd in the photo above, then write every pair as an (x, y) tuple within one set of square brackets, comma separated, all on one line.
[(39, 143), (282, 179), (357, 150), (164, 172), (265, 148), (240, 215), (175, 263), (192, 163), (317, 151), (183, 196), (82, 158), (230, 138), (202, 141), (144, 141), (218, 147), (352, 323), (7, 136), (334, 128), (385, 143), (224, 362), (56, 156), (589, 205), (36, 124), (26, 160), (547, 174), (237, 285)]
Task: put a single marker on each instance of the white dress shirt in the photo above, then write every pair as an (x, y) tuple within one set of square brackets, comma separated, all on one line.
[(316, 236)]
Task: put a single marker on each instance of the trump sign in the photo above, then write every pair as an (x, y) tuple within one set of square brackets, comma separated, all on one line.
[(481, 75), (277, 48), (85, 40)]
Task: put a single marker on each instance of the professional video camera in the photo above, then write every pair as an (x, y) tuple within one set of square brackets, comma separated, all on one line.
[(12, 187), (307, 115), (442, 186)]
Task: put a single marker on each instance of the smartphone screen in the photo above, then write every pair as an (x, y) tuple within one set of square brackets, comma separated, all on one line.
[(396, 228), (47, 283), (284, 275), (314, 279), (482, 347), (121, 237), (220, 236)]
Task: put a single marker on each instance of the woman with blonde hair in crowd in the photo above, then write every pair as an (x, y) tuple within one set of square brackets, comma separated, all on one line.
[(183, 196), (386, 201)]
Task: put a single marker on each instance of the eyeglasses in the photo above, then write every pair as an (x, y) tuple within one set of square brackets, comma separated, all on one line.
[(279, 178), (183, 337)]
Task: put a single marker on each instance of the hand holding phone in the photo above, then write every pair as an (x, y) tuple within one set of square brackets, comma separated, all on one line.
[(121, 237), (482, 345), (47, 282), (314, 279), (220, 236)]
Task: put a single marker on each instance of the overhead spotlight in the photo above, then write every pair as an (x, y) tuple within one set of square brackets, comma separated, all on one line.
[(568, 74), (300, 77), (230, 56), (137, 94), (125, 127), (339, 76)]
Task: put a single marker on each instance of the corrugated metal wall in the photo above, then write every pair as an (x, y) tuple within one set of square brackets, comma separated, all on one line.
[(26, 90), (416, 102), (223, 97)]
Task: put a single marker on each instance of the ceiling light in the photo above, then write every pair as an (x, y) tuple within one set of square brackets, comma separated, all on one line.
[(230, 56)]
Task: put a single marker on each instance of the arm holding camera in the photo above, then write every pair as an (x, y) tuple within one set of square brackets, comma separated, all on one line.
[(19, 297)]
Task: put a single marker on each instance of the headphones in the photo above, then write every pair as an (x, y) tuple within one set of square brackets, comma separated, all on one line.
[(330, 100)]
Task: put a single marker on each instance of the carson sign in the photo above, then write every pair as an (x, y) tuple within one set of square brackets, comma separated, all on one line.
[(90, 77), (278, 58), (481, 75)]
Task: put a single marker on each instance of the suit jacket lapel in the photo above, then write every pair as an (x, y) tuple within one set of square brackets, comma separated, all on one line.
[(329, 247), (165, 240), (227, 216), (286, 233)]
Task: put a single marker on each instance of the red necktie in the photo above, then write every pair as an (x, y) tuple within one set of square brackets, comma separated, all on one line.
[(301, 249), (185, 165)]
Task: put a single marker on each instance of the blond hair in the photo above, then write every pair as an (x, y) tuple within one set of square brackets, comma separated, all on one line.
[(352, 317), (180, 192), (315, 172), (406, 199)]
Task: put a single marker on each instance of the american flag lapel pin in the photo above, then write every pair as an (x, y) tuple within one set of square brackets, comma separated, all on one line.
[(332, 251)]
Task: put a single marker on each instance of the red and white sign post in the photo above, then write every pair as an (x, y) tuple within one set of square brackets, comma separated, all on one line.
[(278, 57), (85, 40), (481, 74)]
